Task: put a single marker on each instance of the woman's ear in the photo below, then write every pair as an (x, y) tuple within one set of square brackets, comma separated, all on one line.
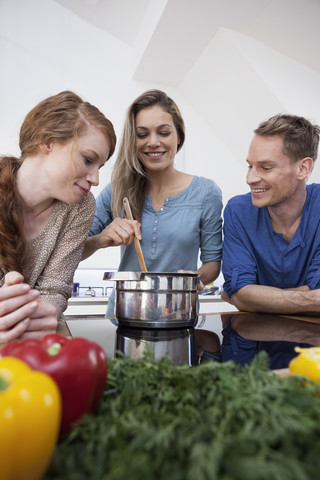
[(46, 147)]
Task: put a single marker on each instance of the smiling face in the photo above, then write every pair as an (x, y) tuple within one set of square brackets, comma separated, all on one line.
[(272, 177), (72, 168), (156, 139)]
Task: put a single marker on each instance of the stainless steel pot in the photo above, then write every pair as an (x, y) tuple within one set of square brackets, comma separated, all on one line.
[(156, 300), (177, 344)]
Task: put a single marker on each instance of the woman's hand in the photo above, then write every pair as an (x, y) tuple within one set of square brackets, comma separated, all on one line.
[(208, 272), (120, 232), (200, 284), (43, 320), (17, 304)]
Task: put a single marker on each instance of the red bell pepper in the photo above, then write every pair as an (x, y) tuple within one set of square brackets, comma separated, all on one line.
[(78, 366)]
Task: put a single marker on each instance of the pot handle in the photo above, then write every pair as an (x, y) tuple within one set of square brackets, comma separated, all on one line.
[(123, 276)]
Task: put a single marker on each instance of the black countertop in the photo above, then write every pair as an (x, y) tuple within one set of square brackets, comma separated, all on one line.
[(250, 327)]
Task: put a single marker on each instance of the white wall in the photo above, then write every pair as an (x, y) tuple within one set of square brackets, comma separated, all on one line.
[(235, 83)]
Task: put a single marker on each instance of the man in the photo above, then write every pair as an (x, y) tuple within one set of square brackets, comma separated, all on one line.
[(271, 258)]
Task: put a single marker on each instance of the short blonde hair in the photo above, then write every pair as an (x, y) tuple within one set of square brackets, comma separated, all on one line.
[(300, 137)]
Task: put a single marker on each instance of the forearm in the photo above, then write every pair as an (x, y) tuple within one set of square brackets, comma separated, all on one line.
[(260, 298), (209, 272), (91, 245)]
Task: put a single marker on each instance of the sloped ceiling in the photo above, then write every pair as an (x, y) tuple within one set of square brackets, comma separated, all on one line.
[(168, 36), (236, 62), (121, 18)]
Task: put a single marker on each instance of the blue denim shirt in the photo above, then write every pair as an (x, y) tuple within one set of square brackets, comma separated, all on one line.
[(254, 253), (172, 237)]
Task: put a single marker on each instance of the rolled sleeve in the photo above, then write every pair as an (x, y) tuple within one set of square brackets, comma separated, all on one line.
[(238, 264), (313, 272), (211, 226)]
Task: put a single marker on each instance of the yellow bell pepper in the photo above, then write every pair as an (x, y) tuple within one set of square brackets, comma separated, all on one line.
[(307, 363), (30, 414)]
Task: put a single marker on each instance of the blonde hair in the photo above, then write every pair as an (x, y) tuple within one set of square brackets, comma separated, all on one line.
[(300, 137), (60, 117), (129, 176)]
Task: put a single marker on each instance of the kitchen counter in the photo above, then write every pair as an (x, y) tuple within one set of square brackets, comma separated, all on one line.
[(251, 326), (178, 423)]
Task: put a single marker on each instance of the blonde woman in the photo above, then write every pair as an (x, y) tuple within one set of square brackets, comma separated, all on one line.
[(179, 214)]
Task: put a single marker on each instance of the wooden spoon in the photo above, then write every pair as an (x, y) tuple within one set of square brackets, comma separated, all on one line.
[(137, 245)]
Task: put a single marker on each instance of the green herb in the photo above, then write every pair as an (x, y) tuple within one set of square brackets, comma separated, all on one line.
[(216, 421)]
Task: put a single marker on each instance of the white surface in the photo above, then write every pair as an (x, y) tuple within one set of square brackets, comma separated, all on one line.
[(214, 305), (78, 306), (261, 57)]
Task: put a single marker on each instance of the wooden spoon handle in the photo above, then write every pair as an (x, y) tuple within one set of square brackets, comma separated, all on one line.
[(137, 245)]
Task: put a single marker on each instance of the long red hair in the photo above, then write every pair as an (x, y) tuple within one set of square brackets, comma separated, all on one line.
[(61, 118)]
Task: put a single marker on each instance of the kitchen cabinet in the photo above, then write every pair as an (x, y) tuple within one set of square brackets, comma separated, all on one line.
[(78, 306), (214, 304)]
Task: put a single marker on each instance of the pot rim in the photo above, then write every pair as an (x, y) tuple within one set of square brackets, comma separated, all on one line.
[(123, 276)]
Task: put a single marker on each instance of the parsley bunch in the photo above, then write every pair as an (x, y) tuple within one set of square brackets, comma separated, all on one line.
[(159, 421)]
